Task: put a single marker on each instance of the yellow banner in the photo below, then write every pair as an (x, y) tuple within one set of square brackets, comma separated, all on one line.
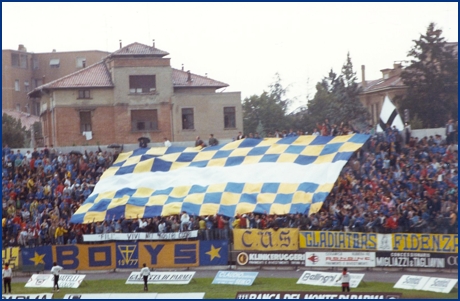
[(440, 243), (169, 254), (338, 240), (11, 255), (266, 240), (86, 257)]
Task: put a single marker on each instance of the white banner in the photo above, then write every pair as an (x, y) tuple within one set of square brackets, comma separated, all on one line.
[(440, 285), (421, 283), (162, 278), (178, 296), (385, 242), (328, 279), (112, 296), (409, 282), (340, 259), (28, 296), (47, 280), (139, 236)]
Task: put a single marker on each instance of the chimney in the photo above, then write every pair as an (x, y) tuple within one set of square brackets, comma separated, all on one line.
[(54, 50), (182, 67), (363, 77), (206, 74), (43, 80), (83, 63), (189, 76), (22, 48), (153, 43), (120, 44)]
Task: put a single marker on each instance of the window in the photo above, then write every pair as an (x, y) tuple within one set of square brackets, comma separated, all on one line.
[(84, 94), (26, 86), (35, 63), (85, 121), (229, 117), (139, 84), (38, 82), (187, 119), (81, 62), (19, 60), (144, 120), (54, 63), (16, 85)]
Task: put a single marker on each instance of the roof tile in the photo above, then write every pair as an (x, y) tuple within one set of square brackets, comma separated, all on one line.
[(180, 79), (93, 76), (139, 49)]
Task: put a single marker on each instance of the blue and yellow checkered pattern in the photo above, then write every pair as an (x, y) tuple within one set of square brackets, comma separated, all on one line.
[(222, 197)]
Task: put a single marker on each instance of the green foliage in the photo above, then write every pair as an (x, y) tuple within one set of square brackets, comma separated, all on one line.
[(266, 113), (13, 132), (431, 79), (337, 99), (416, 123), (222, 291)]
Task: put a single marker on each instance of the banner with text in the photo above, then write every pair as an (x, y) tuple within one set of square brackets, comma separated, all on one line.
[(28, 296), (156, 254), (315, 295), (284, 239), (404, 242), (161, 296), (112, 296), (338, 240), (415, 260), (440, 285), (235, 278), (161, 278), (340, 259), (10, 255), (328, 279), (47, 280), (140, 236), (438, 243), (270, 258)]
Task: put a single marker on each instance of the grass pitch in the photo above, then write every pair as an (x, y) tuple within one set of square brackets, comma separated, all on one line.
[(220, 291)]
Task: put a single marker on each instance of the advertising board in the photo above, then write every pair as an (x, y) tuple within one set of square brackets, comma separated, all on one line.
[(340, 259), (161, 278), (270, 258), (235, 278)]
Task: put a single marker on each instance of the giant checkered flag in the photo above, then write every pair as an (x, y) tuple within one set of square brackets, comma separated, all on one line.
[(389, 115)]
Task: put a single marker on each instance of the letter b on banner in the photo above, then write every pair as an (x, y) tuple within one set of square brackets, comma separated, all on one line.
[(67, 256)]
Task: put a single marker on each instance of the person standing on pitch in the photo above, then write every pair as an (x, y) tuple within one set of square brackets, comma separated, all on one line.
[(55, 270), (345, 277), (145, 273), (6, 275)]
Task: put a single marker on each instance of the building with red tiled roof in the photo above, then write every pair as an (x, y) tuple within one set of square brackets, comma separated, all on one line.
[(374, 91), (23, 71), (134, 92)]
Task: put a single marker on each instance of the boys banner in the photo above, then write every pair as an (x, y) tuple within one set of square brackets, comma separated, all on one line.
[(11, 256), (283, 239), (294, 175), (129, 255)]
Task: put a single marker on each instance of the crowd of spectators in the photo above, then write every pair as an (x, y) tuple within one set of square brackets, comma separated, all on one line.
[(388, 186)]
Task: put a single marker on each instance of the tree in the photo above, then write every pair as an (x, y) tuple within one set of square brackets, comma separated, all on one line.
[(13, 132), (266, 112), (337, 98), (431, 79)]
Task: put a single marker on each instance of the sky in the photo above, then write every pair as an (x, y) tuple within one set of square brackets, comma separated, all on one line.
[(241, 44)]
